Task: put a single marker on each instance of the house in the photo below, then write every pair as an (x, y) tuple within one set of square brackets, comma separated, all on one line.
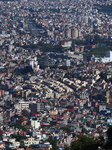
[(14, 142), (2, 145), (29, 142)]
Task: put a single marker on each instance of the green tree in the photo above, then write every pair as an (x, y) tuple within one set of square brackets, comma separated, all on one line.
[(1, 136), (66, 129), (109, 141), (66, 147), (18, 126), (84, 130), (53, 142), (109, 133), (100, 141), (84, 143), (18, 137), (25, 112)]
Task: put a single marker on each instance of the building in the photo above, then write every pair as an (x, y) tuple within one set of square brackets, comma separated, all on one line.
[(35, 123), (22, 105), (106, 59), (67, 33), (68, 63), (35, 107), (29, 142), (66, 44)]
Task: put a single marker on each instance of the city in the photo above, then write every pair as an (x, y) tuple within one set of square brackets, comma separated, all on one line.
[(55, 74)]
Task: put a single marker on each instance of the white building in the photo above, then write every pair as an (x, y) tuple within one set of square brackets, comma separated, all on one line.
[(106, 59), (22, 105), (66, 44), (68, 63), (29, 142), (35, 123)]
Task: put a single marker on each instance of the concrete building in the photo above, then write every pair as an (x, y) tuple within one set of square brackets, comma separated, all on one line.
[(35, 107), (106, 59), (67, 33), (68, 63), (35, 123), (29, 142)]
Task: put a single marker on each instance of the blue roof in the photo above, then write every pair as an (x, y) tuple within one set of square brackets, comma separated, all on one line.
[(43, 144), (53, 129), (77, 113), (54, 41)]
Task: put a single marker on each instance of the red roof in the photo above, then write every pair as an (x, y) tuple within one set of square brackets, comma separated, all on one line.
[(7, 121), (70, 105), (1, 143), (2, 132), (69, 110), (37, 113)]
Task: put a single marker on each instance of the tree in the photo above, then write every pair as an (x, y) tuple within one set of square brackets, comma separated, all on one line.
[(53, 142), (109, 135), (1, 136), (84, 130), (100, 141), (66, 129), (19, 126), (25, 112), (84, 143), (18, 137), (66, 147)]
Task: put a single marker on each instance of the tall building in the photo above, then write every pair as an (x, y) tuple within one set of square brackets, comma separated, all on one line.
[(68, 63), (35, 107), (24, 105), (72, 32), (85, 19), (76, 33), (35, 123), (67, 33)]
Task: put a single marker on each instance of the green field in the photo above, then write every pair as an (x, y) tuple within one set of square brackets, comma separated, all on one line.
[(99, 51), (104, 8)]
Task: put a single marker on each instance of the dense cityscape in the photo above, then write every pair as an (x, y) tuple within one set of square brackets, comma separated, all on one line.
[(55, 75)]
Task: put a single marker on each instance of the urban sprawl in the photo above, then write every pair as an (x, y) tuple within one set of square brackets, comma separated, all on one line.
[(55, 73)]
